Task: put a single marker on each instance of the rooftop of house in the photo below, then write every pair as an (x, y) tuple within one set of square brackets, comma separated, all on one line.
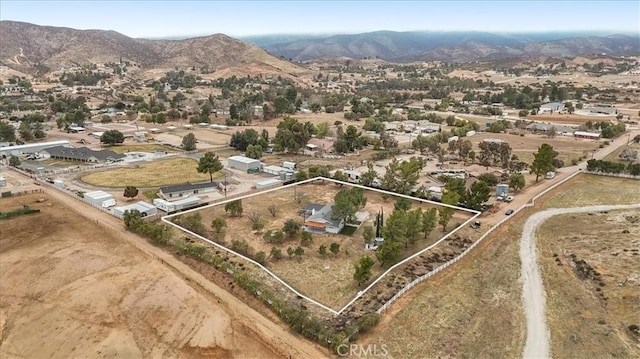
[(188, 187), (81, 153), (324, 215)]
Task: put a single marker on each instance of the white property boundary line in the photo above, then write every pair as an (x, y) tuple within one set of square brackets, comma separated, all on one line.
[(495, 226), (360, 293)]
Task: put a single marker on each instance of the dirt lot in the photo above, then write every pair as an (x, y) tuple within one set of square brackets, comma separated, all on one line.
[(475, 309), (157, 173), (96, 296), (591, 304), (328, 280), (568, 147)]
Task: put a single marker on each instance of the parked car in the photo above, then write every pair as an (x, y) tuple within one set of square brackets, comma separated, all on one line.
[(508, 199), (475, 225), (509, 212)]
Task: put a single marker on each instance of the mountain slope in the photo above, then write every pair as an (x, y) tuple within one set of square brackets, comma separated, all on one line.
[(453, 46), (27, 47)]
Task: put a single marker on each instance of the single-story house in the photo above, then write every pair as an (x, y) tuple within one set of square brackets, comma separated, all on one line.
[(321, 221), (321, 145), (80, 154), (610, 111), (587, 135), (551, 107), (6, 151), (187, 189)]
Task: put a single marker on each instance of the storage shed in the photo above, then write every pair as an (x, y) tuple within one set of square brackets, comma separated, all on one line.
[(178, 205), (99, 199), (243, 163), (146, 209), (502, 190), (268, 183)]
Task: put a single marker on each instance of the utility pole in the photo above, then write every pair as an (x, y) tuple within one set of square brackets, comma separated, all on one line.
[(225, 185)]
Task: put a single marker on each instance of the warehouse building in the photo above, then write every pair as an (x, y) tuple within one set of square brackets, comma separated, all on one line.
[(243, 163), (145, 209), (100, 199), (30, 148)]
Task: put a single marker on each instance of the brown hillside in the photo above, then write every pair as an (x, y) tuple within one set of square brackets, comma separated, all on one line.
[(27, 48)]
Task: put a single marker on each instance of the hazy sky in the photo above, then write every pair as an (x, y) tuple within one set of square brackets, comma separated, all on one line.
[(242, 18)]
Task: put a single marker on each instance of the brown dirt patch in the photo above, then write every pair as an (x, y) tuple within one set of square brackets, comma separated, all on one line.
[(96, 296)]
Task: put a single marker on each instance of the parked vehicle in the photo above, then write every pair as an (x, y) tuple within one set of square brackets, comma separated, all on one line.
[(475, 225), (509, 212), (508, 199)]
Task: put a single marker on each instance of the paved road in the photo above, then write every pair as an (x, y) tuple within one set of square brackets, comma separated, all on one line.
[(538, 339)]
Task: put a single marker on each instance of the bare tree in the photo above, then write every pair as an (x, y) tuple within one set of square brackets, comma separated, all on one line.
[(254, 217), (299, 196), (273, 210)]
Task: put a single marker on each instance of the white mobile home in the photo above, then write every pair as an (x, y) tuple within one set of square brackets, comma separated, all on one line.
[(178, 205), (100, 199), (146, 209), (30, 148)]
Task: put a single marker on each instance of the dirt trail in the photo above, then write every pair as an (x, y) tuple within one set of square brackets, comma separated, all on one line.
[(537, 344), (271, 334)]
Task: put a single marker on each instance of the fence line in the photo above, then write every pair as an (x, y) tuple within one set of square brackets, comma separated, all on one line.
[(610, 174), (461, 255)]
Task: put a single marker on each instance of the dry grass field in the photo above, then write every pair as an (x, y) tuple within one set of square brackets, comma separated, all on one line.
[(588, 190), (590, 265), (568, 147), (153, 174), (68, 289), (569, 119), (474, 309), (327, 279)]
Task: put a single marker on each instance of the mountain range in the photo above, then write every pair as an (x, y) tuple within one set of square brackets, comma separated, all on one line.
[(451, 46), (31, 48)]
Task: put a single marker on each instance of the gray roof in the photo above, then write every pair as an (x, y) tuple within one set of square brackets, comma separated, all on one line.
[(324, 214), (311, 207), (188, 187), (82, 153)]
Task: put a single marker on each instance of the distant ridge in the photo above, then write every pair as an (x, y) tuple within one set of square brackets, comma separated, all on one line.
[(453, 46)]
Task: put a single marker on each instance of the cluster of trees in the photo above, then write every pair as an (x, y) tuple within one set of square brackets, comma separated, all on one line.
[(475, 197), (112, 137), (404, 227), (177, 79), (157, 232), (292, 135), (401, 177), (349, 140), (613, 167), (82, 78), (347, 202), (495, 153), (251, 142)]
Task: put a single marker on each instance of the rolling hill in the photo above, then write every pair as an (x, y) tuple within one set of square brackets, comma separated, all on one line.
[(31, 48), (453, 46)]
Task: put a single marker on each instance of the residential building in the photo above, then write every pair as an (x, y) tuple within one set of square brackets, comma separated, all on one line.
[(321, 221), (187, 189), (80, 154), (551, 107)]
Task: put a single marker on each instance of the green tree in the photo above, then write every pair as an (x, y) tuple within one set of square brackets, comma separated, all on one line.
[(457, 185), (414, 222), (276, 253), (299, 251), (395, 227), (446, 213), (218, 224), (209, 163), (233, 112), (291, 227), (130, 192), (389, 252), (254, 151), (38, 131), (25, 131), (367, 178), (402, 204), (334, 248), (189, 142), (516, 181), (362, 269), (7, 132), (290, 252), (292, 135), (429, 221), (132, 219), (368, 233), (347, 202), (112, 137), (543, 160), (234, 208), (14, 161), (477, 195), (322, 130), (489, 178), (261, 257), (340, 176), (322, 250), (306, 239)]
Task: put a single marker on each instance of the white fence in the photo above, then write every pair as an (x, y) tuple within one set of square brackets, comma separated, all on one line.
[(445, 265), (620, 175)]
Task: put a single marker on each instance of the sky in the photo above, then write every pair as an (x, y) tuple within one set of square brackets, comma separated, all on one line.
[(153, 19)]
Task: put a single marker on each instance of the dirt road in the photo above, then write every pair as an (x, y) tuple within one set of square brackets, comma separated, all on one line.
[(268, 333), (537, 344)]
